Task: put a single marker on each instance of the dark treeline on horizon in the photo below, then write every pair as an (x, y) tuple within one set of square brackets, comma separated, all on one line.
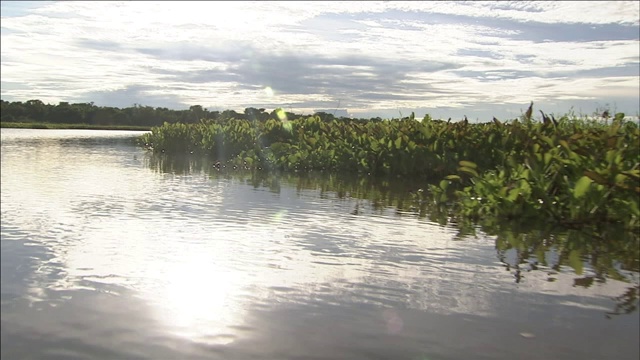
[(35, 111)]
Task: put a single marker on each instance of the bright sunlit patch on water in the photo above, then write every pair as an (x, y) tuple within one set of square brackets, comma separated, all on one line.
[(279, 216), (197, 300)]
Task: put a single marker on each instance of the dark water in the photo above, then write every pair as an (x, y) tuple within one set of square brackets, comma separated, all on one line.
[(110, 253)]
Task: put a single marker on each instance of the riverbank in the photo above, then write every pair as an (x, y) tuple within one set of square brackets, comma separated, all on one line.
[(41, 125)]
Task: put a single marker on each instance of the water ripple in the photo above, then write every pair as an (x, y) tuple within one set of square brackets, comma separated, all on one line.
[(119, 261)]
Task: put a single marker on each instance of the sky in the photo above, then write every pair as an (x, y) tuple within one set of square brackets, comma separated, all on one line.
[(361, 59)]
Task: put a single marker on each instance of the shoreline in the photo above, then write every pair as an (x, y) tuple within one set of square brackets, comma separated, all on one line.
[(39, 125)]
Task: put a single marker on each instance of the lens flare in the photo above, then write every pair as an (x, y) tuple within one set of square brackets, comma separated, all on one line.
[(268, 91), (279, 216), (282, 115), (393, 320)]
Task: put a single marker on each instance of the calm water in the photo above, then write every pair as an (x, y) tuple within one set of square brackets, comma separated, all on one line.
[(110, 253)]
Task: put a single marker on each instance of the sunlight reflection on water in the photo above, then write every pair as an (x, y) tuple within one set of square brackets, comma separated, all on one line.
[(228, 265)]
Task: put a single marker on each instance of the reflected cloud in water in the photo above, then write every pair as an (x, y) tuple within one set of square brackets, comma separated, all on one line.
[(241, 262)]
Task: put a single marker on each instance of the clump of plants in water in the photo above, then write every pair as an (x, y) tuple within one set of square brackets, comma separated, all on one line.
[(409, 147), (570, 171)]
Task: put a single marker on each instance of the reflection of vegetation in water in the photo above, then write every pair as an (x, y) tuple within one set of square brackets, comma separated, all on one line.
[(380, 193), (178, 164), (626, 303), (609, 252)]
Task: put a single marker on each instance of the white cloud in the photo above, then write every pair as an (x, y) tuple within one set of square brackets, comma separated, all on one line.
[(587, 12), (372, 55)]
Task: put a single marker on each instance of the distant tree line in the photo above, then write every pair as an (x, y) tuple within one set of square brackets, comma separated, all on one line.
[(35, 111)]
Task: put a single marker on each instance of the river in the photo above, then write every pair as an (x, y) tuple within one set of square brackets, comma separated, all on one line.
[(109, 252)]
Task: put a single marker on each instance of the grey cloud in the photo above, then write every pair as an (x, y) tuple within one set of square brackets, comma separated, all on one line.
[(530, 31), (481, 53), (631, 69), (525, 59), (309, 74), (104, 45), (407, 96), (196, 76), (303, 74), (186, 52), (507, 74), (539, 32), (132, 95), (11, 85), (313, 104)]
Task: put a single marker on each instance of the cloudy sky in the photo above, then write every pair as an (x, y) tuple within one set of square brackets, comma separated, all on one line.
[(365, 59)]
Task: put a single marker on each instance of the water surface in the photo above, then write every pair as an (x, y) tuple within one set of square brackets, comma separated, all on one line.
[(111, 253)]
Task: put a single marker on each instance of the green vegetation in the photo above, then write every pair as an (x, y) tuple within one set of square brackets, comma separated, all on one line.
[(407, 147), (569, 171), (34, 113)]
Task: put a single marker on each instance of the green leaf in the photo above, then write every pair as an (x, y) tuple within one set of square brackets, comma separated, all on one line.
[(634, 208), (513, 195), (632, 173), (398, 142), (582, 185), (468, 170), (620, 179), (575, 261), (452, 177), (548, 140), (596, 177), (468, 164), (536, 148), (564, 144)]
